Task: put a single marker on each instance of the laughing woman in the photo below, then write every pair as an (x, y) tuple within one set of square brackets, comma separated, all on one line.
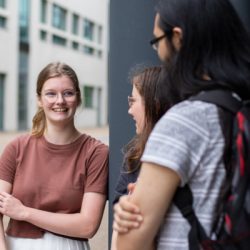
[(53, 181), (146, 105)]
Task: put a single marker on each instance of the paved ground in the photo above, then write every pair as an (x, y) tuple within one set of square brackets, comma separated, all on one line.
[(100, 240)]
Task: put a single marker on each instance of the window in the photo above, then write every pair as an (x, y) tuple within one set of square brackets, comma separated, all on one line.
[(2, 3), (3, 22), (99, 34), (88, 29), (88, 96), (59, 17), (59, 40), (43, 35), (24, 21), (43, 13), (23, 90), (99, 54), (75, 45), (88, 50), (2, 79), (75, 24)]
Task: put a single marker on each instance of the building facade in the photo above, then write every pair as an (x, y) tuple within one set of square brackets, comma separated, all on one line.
[(34, 33)]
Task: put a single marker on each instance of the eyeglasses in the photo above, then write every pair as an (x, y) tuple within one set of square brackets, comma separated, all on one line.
[(131, 100), (154, 42), (68, 96)]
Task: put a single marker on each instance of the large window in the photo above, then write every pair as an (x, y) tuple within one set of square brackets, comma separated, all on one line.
[(43, 13), (88, 50), (24, 20), (3, 22), (75, 24), (2, 3), (2, 79), (59, 17), (43, 35), (75, 45), (88, 96), (99, 54), (23, 89), (99, 34), (88, 29), (59, 40)]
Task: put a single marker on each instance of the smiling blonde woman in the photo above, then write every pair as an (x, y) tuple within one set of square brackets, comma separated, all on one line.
[(53, 181)]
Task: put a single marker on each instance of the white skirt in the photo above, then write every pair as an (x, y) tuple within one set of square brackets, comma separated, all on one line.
[(48, 242)]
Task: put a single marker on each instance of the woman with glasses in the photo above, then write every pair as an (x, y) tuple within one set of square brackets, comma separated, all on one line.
[(204, 46), (146, 105), (53, 182)]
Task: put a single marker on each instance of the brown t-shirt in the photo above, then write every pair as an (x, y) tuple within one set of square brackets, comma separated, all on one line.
[(52, 177)]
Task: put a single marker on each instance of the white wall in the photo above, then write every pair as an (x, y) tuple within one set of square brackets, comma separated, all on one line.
[(9, 63), (91, 70)]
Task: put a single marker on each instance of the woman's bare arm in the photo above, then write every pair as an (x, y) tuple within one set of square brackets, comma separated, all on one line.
[(83, 224), (153, 195), (6, 187)]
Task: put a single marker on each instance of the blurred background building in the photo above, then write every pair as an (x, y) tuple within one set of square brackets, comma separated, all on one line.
[(34, 33)]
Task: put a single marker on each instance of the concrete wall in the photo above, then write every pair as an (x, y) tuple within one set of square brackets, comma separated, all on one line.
[(91, 70), (9, 63), (131, 25)]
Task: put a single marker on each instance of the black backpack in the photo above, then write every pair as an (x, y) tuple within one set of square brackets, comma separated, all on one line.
[(232, 224)]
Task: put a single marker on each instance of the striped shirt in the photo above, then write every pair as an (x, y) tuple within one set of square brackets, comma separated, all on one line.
[(188, 139)]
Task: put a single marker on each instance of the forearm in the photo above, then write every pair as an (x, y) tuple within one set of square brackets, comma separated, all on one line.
[(135, 239), (2, 235), (74, 225), (153, 194), (83, 224), (114, 240), (4, 186)]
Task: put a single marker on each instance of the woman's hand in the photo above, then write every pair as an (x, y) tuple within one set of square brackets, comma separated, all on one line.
[(11, 207), (126, 215)]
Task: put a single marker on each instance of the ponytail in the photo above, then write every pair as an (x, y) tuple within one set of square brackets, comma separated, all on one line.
[(39, 123)]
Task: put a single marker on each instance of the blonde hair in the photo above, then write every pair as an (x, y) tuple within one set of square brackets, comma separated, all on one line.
[(52, 70)]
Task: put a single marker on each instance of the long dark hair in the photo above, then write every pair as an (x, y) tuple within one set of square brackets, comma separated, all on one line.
[(214, 42), (156, 104)]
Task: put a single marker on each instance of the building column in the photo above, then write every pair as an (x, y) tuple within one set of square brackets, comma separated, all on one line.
[(131, 28)]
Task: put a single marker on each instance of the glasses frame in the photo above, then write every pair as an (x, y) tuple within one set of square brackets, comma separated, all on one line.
[(168, 33), (65, 98), (154, 42), (131, 100)]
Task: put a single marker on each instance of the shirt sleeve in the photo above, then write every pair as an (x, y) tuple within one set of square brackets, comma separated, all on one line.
[(124, 179), (180, 139), (8, 161), (97, 170)]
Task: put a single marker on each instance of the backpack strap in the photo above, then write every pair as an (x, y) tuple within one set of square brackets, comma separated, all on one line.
[(183, 199), (228, 104), (220, 97)]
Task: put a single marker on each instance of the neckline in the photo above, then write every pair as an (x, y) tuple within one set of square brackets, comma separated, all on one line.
[(62, 146)]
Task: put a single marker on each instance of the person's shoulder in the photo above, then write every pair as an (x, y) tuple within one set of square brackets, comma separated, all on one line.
[(192, 110), (93, 142), (21, 139), (19, 142), (188, 107), (189, 114)]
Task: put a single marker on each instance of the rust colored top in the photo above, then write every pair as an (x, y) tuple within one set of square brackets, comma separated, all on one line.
[(52, 177)]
